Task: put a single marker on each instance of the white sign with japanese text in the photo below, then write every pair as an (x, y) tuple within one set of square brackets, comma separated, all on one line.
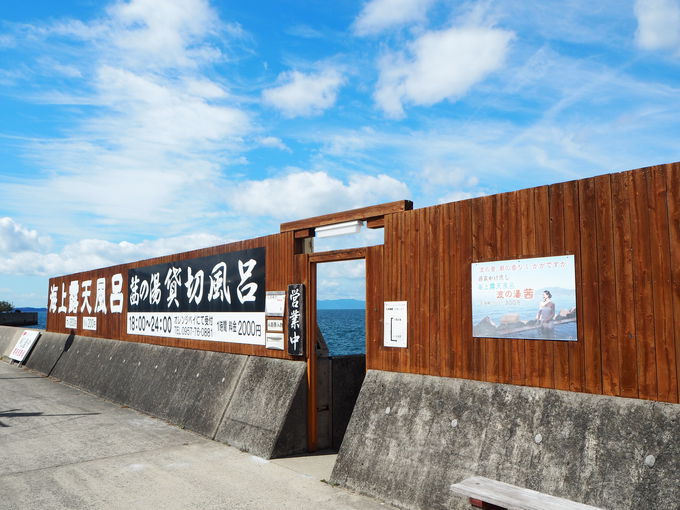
[(71, 322), (234, 327), (395, 324), (275, 325), (275, 303), (90, 323), (24, 344)]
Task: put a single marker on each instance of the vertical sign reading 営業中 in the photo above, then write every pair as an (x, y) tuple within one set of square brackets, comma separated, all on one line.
[(296, 319), (218, 298)]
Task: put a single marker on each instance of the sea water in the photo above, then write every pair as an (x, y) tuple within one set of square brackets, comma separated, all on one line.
[(343, 330)]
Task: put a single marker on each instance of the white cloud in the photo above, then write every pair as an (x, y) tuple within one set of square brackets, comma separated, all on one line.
[(342, 280), (321, 193), (305, 94), (95, 253), (159, 131), (456, 196), (273, 142), (658, 24), (16, 238), (440, 65), (379, 15), (162, 33)]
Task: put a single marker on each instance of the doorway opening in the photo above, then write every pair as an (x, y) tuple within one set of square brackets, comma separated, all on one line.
[(341, 337)]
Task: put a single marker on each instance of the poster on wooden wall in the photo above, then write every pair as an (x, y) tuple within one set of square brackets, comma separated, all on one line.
[(525, 298), (219, 298)]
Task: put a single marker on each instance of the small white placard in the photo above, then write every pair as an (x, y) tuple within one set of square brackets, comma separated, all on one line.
[(274, 341), (24, 344), (71, 322), (275, 325), (90, 323), (275, 303), (395, 323)]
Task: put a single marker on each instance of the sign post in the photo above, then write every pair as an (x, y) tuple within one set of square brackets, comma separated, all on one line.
[(296, 319)]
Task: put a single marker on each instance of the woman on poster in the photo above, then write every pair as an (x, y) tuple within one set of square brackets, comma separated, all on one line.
[(546, 313)]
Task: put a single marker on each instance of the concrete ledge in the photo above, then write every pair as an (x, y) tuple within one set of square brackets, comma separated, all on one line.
[(19, 319), (266, 415), (256, 404), (412, 436)]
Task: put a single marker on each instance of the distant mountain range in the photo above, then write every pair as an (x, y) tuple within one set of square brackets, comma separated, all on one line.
[(29, 309), (340, 304)]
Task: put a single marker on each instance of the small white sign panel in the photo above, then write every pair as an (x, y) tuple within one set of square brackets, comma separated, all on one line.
[(275, 325), (275, 303), (71, 322), (395, 323), (275, 341), (24, 344), (90, 323)]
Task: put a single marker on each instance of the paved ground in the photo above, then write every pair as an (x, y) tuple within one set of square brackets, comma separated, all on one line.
[(63, 448)]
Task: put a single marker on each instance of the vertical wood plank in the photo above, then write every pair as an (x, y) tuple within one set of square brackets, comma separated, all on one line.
[(476, 369), (590, 286), (504, 235), (623, 262), (572, 239), (661, 278), (557, 248), (374, 304), (487, 249), (464, 360), (446, 297), (515, 251), (673, 187), (643, 298), (606, 271), (410, 295), (545, 348), (527, 210), (436, 256)]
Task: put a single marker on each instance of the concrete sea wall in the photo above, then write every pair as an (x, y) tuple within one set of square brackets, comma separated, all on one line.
[(253, 403), (18, 318), (412, 436)]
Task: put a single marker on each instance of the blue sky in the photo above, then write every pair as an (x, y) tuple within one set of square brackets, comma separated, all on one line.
[(131, 129)]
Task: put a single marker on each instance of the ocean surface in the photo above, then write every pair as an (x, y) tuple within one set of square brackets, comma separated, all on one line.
[(42, 318), (344, 330)]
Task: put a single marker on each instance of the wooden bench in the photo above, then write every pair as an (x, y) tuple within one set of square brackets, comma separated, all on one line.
[(492, 494)]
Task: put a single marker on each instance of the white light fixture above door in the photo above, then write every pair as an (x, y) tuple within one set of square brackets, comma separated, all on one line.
[(338, 229)]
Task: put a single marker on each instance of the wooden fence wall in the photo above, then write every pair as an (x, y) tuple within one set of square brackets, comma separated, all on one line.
[(624, 231), (279, 273)]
